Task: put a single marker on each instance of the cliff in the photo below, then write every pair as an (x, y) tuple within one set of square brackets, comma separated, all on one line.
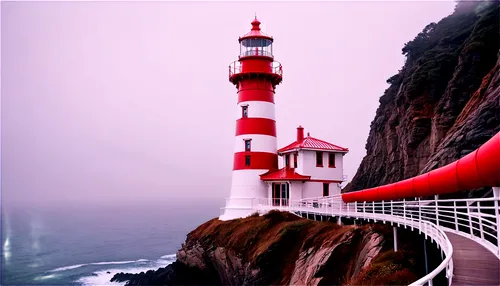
[(280, 248), (443, 104)]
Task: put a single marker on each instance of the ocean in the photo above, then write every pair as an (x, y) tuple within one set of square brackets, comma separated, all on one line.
[(88, 244)]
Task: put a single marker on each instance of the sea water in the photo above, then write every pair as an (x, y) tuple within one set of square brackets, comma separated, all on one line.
[(86, 244)]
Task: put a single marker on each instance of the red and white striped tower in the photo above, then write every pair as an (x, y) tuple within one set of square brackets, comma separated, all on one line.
[(255, 75)]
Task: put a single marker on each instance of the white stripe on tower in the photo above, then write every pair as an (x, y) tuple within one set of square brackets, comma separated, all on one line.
[(258, 143), (247, 184), (257, 109)]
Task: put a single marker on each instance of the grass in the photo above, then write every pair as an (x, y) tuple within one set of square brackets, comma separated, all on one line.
[(272, 243), (388, 268)]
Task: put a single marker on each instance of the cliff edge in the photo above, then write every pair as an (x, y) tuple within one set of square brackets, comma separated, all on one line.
[(443, 104), (280, 248)]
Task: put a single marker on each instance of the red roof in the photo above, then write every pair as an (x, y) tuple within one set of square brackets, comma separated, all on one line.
[(312, 143), (283, 174), (255, 32)]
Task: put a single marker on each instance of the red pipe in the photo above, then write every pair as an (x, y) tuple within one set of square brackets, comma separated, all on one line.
[(478, 169)]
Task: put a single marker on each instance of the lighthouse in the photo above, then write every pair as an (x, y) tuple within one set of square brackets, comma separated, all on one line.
[(255, 75)]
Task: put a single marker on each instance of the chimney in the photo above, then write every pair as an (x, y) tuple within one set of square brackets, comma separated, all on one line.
[(300, 133)]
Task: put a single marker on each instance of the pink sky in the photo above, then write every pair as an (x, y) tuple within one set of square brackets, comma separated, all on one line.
[(131, 100)]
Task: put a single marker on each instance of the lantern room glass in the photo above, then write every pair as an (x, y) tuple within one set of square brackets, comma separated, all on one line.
[(256, 47)]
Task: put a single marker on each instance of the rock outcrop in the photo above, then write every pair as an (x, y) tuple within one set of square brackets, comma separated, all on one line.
[(443, 104), (280, 248)]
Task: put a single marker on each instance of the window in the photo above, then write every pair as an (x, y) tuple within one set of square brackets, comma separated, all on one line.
[(287, 160), (247, 160), (295, 160), (285, 194), (244, 111), (331, 160), (319, 159), (326, 189), (247, 144), (256, 47)]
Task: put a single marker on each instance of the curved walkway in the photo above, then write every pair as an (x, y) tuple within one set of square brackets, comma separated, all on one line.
[(473, 264), (469, 258)]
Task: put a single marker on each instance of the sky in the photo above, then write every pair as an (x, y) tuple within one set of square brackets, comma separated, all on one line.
[(130, 101)]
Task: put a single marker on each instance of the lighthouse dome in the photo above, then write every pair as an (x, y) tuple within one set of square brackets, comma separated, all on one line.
[(255, 32), (255, 42)]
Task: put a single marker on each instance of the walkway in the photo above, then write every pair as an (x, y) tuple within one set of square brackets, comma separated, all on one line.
[(469, 259), (472, 263)]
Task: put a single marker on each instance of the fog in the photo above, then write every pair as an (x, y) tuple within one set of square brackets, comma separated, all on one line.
[(130, 101)]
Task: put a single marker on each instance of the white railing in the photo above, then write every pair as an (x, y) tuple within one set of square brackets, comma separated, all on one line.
[(476, 219)]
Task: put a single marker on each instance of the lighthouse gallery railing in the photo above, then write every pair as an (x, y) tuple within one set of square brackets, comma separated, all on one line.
[(236, 67)]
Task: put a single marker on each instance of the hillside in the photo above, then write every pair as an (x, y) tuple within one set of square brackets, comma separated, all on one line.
[(444, 102), (280, 248)]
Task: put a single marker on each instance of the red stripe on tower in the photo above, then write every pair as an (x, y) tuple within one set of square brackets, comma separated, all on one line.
[(256, 95), (255, 160), (262, 126)]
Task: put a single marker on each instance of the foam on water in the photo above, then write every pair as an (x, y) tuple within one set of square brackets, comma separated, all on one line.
[(96, 263), (67, 267), (102, 277)]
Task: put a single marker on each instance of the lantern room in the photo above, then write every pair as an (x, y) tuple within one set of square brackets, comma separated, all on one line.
[(256, 43)]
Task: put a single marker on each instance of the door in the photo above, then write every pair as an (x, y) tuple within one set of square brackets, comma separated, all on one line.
[(276, 194), (281, 194), (285, 194), (326, 189)]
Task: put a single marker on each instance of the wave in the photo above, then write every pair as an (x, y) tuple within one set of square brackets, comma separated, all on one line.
[(104, 276), (67, 267), (96, 263)]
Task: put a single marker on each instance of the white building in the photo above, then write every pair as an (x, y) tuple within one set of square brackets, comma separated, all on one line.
[(312, 168)]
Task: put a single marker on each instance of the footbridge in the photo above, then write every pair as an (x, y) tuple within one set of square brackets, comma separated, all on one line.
[(465, 230)]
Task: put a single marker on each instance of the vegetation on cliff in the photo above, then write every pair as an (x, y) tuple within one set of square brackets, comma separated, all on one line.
[(443, 104), (280, 248)]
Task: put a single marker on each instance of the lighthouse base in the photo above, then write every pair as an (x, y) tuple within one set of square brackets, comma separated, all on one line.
[(234, 213), (247, 191), (238, 208)]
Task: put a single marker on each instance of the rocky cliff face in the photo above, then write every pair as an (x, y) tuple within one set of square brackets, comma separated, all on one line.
[(282, 249), (280, 255), (443, 104)]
